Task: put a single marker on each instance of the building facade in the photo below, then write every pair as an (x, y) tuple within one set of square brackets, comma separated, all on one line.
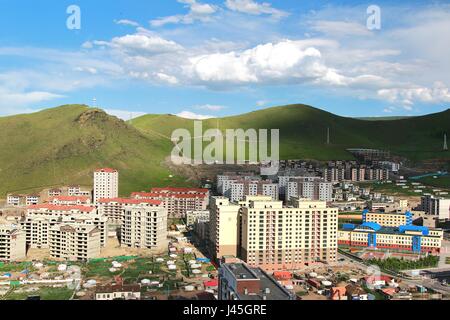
[(224, 229), (144, 228), (12, 243), (275, 237), (74, 242), (106, 184), (238, 281), (403, 238), (312, 188)]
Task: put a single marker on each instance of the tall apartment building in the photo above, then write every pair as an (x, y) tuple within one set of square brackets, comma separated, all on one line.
[(242, 188), (177, 201), (114, 209), (192, 216), (39, 219), (74, 242), (224, 227), (313, 188), (274, 237), (234, 176), (334, 174), (435, 206), (12, 243), (144, 228), (106, 184)]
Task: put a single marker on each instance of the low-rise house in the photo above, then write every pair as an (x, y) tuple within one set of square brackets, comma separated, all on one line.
[(118, 292)]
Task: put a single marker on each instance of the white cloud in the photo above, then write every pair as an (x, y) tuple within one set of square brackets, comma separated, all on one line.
[(143, 43), (280, 62), (167, 78), (18, 102), (254, 8), (340, 28), (192, 115), (127, 22), (197, 11), (439, 93), (211, 107)]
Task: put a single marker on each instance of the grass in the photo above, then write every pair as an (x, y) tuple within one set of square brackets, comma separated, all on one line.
[(393, 189), (439, 182), (395, 264), (15, 267), (46, 293), (63, 145)]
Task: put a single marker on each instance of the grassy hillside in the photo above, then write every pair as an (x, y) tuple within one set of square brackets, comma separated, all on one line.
[(63, 145), (303, 131)]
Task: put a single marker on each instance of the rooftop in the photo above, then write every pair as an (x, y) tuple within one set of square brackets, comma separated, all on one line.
[(270, 288)]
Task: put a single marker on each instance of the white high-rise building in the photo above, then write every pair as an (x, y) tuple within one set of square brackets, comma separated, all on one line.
[(312, 188), (106, 184)]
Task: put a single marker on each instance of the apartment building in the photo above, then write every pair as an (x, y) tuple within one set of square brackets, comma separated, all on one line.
[(242, 188), (436, 206), (144, 228), (17, 200), (70, 200), (77, 191), (224, 227), (238, 281), (192, 216), (403, 238), (234, 176), (39, 219), (332, 174), (106, 184), (312, 188), (74, 242), (114, 209), (201, 228), (54, 192), (275, 237), (12, 243), (177, 201)]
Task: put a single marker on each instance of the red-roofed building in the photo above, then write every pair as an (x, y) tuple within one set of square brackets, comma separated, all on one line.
[(39, 220), (114, 208), (177, 201)]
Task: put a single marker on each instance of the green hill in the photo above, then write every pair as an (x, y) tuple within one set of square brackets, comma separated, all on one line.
[(63, 145), (303, 132)]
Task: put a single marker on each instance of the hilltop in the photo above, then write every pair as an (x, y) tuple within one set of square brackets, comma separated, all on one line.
[(63, 145), (303, 132)]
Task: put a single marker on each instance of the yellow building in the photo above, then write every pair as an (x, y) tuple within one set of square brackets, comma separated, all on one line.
[(278, 238), (224, 227)]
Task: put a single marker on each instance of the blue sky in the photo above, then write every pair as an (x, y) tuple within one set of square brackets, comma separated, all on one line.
[(216, 58)]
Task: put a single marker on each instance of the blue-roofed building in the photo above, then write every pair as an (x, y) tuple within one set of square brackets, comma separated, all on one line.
[(402, 238)]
